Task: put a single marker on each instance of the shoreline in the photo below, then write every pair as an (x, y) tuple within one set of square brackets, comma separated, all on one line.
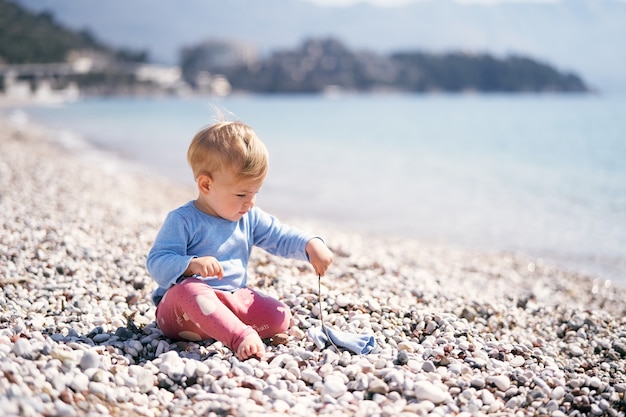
[(607, 272), (551, 234), (457, 331)]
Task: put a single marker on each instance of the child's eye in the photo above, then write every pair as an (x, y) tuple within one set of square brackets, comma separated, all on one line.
[(240, 195)]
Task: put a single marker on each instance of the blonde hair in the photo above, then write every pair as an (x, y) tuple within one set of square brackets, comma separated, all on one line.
[(228, 145)]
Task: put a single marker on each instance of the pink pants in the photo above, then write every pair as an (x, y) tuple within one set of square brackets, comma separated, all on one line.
[(194, 311)]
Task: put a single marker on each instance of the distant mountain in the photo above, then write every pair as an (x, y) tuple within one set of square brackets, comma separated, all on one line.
[(584, 36), (326, 65)]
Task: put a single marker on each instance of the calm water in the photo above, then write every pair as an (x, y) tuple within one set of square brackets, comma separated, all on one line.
[(542, 175)]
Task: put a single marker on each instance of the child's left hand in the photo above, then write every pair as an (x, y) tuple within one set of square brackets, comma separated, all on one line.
[(205, 266), (319, 255)]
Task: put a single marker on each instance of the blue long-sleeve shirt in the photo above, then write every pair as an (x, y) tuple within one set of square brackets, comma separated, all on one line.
[(188, 233)]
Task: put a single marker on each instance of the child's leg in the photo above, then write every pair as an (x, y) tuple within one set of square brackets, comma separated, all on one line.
[(265, 314), (192, 311)]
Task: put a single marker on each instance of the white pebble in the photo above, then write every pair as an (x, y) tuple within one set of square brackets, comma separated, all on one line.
[(98, 389), (22, 347), (145, 378), (172, 365), (502, 382), (517, 361), (425, 390), (80, 382), (342, 300), (576, 350), (373, 304), (334, 386), (487, 397), (557, 393), (310, 376)]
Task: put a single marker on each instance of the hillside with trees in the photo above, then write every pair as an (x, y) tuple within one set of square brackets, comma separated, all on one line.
[(27, 38), (35, 48), (320, 64), (456, 72)]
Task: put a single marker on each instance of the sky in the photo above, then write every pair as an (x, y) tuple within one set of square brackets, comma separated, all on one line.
[(392, 3), (582, 36)]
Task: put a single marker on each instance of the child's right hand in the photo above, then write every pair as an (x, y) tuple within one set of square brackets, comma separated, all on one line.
[(319, 255), (206, 266)]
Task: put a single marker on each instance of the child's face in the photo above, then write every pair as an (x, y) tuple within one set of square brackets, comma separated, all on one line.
[(227, 196)]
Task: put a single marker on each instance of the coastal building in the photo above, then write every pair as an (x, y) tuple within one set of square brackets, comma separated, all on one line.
[(39, 91), (162, 75), (51, 83), (203, 64)]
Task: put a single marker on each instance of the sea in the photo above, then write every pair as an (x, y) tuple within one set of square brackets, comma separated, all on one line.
[(539, 175)]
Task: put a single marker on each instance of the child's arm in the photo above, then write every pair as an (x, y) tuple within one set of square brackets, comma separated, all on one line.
[(168, 259), (289, 242), (319, 255)]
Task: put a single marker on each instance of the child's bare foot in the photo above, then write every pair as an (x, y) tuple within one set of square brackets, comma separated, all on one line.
[(251, 345)]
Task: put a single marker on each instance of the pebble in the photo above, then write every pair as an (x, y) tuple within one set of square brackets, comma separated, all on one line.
[(79, 382), (90, 359), (517, 361), (103, 337), (342, 300), (576, 350), (403, 357), (478, 382), (78, 333), (310, 376), (22, 347), (334, 386), (429, 366), (557, 393), (377, 386), (502, 382), (425, 390), (144, 377)]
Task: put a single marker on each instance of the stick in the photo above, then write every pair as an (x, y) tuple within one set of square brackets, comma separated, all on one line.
[(319, 294)]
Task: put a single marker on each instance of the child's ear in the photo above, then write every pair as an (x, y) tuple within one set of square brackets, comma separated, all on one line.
[(204, 183)]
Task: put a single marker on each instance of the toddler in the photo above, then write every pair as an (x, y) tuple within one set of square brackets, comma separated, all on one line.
[(200, 254)]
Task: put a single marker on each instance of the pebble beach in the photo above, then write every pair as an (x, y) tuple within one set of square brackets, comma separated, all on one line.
[(457, 332)]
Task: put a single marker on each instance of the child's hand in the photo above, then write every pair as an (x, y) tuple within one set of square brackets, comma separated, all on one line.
[(319, 255), (206, 266)]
